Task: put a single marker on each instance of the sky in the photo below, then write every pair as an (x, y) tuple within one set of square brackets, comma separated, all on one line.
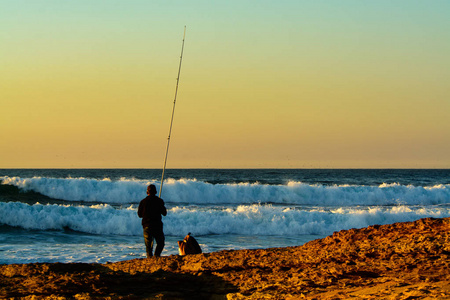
[(264, 84)]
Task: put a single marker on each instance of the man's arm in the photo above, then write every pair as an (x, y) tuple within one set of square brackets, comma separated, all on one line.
[(163, 208), (140, 211)]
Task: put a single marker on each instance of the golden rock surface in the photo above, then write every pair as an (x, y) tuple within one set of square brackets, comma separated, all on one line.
[(397, 261)]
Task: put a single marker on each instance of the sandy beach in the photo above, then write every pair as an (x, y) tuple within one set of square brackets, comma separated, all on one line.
[(397, 261)]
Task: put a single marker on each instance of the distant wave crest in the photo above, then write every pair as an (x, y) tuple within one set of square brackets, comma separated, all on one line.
[(191, 191)]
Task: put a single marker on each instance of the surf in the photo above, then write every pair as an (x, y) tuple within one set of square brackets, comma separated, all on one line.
[(255, 220), (194, 192)]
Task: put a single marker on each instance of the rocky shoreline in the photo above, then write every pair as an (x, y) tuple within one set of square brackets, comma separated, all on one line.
[(397, 261)]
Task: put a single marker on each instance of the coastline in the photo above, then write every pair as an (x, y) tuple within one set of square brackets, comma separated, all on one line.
[(396, 261)]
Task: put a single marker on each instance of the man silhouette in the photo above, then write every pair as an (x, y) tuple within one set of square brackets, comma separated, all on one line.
[(150, 210)]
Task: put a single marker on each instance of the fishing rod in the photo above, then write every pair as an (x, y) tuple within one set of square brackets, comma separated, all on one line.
[(173, 112)]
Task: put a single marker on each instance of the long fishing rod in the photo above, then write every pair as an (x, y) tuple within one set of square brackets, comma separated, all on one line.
[(173, 112)]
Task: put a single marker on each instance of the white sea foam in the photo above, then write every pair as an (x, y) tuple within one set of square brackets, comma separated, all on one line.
[(102, 212), (242, 220), (183, 191), (83, 189), (96, 219)]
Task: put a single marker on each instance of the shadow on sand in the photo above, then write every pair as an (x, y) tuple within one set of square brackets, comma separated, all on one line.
[(88, 281)]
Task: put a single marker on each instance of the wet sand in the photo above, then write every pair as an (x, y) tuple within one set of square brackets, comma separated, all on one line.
[(397, 261)]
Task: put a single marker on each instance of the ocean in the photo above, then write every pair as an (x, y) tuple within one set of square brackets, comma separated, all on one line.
[(90, 215)]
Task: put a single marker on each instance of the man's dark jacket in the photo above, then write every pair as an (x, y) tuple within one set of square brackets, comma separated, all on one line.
[(150, 210)]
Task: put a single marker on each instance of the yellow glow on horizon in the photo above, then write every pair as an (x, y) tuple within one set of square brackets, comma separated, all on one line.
[(296, 84)]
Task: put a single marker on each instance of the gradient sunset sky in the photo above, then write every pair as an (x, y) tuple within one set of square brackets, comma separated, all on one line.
[(264, 84)]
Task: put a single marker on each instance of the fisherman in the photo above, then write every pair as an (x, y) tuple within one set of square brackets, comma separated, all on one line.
[(150, 210)]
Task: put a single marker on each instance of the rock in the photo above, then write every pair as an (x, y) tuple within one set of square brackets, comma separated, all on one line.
[(396, 261)]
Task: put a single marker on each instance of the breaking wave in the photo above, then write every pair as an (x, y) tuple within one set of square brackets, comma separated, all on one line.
[(253, 219), (191, 191)]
